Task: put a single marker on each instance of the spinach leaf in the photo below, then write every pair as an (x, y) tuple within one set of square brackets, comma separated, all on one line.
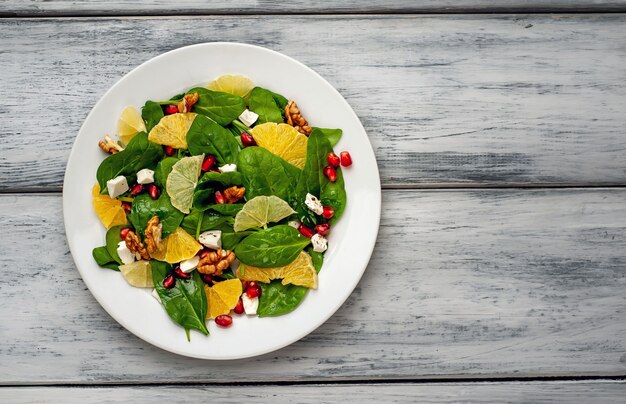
[(280, 100), (227, 209), (264, 173), (333, 135), (210, 221), (140, 153), (112, 240), (263, 103), (227, 179), (203, 196), (230, 238), (151, 114), (278, 299), (223, 108), (104, 259), (206, 136), (144, 208), (274, 247), (317, 258), (162, 170), (334, 194), (186, 302)]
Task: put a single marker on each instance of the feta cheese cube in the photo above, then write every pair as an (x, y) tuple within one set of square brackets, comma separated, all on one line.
[(250, 306), (211, 239), (314, 204), (319, 242), (126, 256), (117, 186), (294, 223), (248, 117), (189, 265), (155, 294), (227, 168), (145, 176)]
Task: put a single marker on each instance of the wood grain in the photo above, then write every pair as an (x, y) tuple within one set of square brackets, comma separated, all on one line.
[(446, 100), (482, 283), (532, 392)]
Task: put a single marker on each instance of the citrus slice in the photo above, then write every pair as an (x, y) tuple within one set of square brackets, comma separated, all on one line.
[(138, 274), (109, 210), (129, 124), (233, 84), (223, 297), (300, 272), (176, 247), (182, 181), (172, 130), (283, 140), (261, 210)]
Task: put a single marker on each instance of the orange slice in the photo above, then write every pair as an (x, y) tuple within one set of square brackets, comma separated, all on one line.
[(283, 140), (109, 210), (232, 84), (172, 130), (300, 272), (223, 297), (176, 247)]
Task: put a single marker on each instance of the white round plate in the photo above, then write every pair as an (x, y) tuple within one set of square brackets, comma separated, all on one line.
[(350, 244)]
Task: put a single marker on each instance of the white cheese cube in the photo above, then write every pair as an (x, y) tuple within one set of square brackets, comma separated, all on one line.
[(248, 117), (227, 168), (250, 306), (314, 204), (145, 176), (189, 265), (211, 239), (126, 256), (319, 242), (294, 223), (117, 186), (155, 294)]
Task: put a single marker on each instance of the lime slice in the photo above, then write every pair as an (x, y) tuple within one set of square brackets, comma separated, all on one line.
[(138, 274), (182, 181), (172, 130), (232, 84), (282, 140), (261, 210), (129, 124)]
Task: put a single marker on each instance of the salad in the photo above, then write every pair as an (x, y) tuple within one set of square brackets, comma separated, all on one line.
[(220, 199)]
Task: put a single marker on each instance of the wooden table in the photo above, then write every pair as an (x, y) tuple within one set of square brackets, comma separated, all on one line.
[(500, 133)]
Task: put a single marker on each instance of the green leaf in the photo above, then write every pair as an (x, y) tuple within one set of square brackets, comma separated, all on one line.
[(230, 238), (206, 136), (144, 208), (264, 173), (223, 108), (204, 194), (227, 209), (112, 240), (227, 179), (263, 103), (162, 170), (334, 194), (104, 259), (333, 135), (151, 114), (274, 247), (186, 302), (317, 258), (140, 153), (210, 221), (278, 299)]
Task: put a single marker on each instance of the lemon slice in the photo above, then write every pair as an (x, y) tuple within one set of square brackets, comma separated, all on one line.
[(283, 140), (232, 84), (182, 181), (223, 297), (172, 130), (129, 124), (261, 210), (109, 210), (300, 272), (176, 247), (138, 274)]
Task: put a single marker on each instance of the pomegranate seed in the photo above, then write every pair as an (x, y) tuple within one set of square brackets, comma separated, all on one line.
[(127, 206), (330, 173), (253, 290), (170, 109), (247, 139), (333, 159), (123, 232), (322, 228), (169, 281), (224, 320), (207, 279), (305, 231), (346, 159), (244, 285), (169, 150), (219, 198), (153, 190), (328, 212), (179, 273), (136, 190), (239, 307), (208, 163)]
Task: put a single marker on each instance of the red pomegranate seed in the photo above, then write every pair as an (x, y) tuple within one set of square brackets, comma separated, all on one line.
[(204, 253), (169, 281), (239, 307), (346, 159), (333, 159), (136, 189), (153, 190), (179, 273), (123, 232), (219, 198), (328, 212), (244, 284), (169, 150), (322, 228), (305, 231), (224, 320), (247, 139), (207, 279), (127, 206), (253, 290), (330, 173), (208, 163), (170, 109)]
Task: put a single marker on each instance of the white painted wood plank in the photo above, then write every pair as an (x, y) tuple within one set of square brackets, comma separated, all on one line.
[(444, 99), (532, 392), (480, 283)]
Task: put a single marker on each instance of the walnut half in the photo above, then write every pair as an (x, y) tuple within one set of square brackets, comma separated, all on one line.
[(109, 146), (215, 262), (295, 118), (187, 103), (234, 194), (134, 244), (152, 235)]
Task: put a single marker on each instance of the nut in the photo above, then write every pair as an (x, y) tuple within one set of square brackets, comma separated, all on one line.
[(215, 262), (187, 103), (234, 194), (152, 235), (295, 118), (109, 146), (134, 244)]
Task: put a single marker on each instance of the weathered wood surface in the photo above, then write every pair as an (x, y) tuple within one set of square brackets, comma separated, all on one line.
[(482, 283), (603, 391), (473, 100), (163, 7)]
